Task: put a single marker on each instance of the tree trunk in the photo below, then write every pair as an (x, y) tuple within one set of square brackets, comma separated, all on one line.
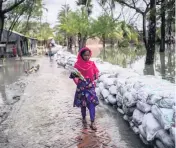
[(162, 44), (149, 70), (70, 42), (152, 33), (81, 41), (1, 25), (104, 51), (163, 67), (144, 31)]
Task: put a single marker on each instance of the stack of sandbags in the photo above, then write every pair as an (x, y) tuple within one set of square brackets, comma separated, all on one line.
[(147, 103)]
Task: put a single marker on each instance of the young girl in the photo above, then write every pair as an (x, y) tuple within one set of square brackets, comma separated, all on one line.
[(85, 95)]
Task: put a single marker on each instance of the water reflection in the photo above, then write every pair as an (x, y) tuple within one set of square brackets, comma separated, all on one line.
[(163, 67), (11, 72)]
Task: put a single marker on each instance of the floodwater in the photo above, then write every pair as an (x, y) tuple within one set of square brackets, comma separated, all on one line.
[(10, 72), (163, 67)]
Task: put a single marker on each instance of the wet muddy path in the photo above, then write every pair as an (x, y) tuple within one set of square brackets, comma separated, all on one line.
[(44, 117)]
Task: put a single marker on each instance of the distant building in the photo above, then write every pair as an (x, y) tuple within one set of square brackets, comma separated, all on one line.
[(23, 43)]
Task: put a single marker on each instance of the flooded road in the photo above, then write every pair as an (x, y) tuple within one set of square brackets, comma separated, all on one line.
[(10, 72), (163, 67), (44, 117)]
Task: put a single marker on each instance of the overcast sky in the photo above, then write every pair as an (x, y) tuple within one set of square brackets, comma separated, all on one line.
[(54, 6)]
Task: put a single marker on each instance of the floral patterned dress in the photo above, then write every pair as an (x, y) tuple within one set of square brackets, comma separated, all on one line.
[(85, 93)]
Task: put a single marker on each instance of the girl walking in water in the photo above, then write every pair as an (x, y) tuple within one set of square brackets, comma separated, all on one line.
[(85, 95)]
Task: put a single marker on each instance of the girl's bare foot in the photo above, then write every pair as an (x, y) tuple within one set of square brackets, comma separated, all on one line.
[(93, 126)]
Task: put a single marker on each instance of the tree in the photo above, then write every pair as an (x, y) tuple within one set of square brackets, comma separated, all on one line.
[(87, 4), (5, 7), (152, 33)]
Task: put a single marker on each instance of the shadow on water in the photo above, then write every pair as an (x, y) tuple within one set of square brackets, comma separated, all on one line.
[(163, 67), (11, 71)]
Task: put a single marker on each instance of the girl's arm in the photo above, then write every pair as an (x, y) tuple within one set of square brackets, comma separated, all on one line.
[(76, 81)]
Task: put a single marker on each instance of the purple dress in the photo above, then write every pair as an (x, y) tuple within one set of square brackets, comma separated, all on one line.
[(85, 93)]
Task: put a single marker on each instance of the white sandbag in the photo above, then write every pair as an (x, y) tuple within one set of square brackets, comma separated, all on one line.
[(129, 100), (128, 110), (131, 124), (103, 77), (164, 116), (119, 104), (138, 116), (119, 83), (164, 137), (150, 126), (127, 118), (143, 139), (122, 89), (108, 82), (165, 103), (143, 107), (105, 93), (120, 111), (141, 131), (101, 86), (159, 144), (152, 99), (142, 94), (107, 101), (172, 131), (113, 90), (135, 129), (97, 90), (119, 98), (112, 99)]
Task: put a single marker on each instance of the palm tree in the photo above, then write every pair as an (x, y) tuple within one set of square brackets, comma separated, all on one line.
[(87, 4)]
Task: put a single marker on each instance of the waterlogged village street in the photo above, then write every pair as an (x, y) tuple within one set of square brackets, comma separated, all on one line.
[(113, 60), (44, 117)]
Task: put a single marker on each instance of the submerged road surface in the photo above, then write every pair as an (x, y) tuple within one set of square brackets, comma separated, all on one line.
[(45, 118)]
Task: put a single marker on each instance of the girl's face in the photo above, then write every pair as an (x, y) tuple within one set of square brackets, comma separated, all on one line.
[(86, 56)]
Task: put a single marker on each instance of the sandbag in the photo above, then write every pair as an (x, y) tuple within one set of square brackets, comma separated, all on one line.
[(103, 77), (97, 90), (142, 94), (164, 137), (164, 116), (120, 111), (172, 131), (131, 123), (128, 110), (105, 93), (135, 130), (152, 99), (141, 132), (108, 82), (150, 126), (119, 98), (138, 117), (129, 100), (107, 101), (159, 144), (143, 107), (112, 99), (101, 86), (143, 139), (113, 90), (122, 89), (165, 103)]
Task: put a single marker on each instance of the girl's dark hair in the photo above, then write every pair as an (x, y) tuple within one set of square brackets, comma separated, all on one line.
[(82, 53)]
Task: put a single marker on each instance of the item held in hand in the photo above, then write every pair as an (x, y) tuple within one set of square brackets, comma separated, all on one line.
[(78, 74)]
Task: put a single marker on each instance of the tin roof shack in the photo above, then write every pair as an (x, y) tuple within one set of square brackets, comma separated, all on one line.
[(32, 45), (17, 39)]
